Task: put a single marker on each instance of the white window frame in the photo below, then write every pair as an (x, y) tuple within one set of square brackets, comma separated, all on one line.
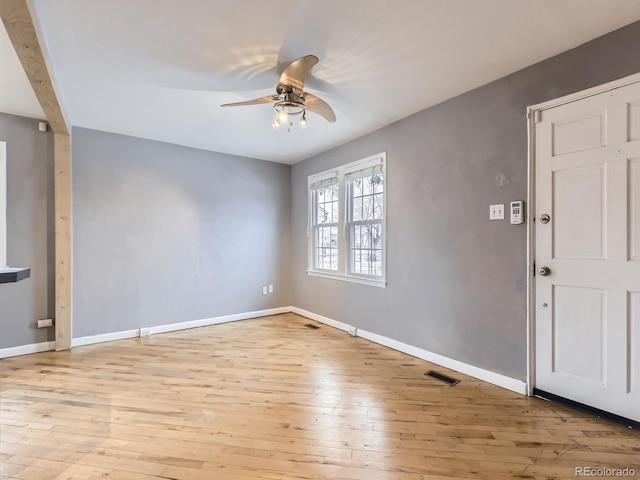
[(3, 204), (344, 273)]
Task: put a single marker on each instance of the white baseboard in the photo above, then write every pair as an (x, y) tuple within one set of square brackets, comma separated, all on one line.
[(497, 379), (27, 349), (476, 372), (473, 371), (326, 320), (104, 337), (172, 327)]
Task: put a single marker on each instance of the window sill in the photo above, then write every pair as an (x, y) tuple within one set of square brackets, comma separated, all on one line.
[(12, 275), (348, 278)]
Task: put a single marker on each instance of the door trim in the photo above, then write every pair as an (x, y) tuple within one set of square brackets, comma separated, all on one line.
[(533, 112)]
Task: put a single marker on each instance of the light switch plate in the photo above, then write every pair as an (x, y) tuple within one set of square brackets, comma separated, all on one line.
[(496, 212)]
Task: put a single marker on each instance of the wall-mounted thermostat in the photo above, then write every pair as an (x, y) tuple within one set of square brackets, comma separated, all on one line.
[(517, 212)]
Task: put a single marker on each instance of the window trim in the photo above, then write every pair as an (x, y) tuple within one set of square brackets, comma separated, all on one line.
[(3, 204), (344, 236)]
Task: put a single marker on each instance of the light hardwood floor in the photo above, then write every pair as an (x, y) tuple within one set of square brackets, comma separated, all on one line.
[(271, 399)]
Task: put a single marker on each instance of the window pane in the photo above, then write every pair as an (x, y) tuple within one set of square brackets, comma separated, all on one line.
[(378, 209), (326, 248), (367, 208), (367, 198), (378, 183), (334, 208), (333, 259), (334, 189), (367, 186), (367, 261), (326, 200), (367, 237), (366, 250), (321, 214), (357, 187), (357, 209), (376, 236), (329, 236)]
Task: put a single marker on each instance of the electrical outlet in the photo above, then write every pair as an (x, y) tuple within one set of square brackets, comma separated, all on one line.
[(496, 212), (270, 288), (47, 322), (264, 290), (145, 332)]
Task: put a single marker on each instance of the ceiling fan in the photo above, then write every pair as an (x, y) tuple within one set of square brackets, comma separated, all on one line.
[(291, 99)]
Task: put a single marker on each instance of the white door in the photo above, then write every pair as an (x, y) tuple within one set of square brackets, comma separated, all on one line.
[(587, 175)]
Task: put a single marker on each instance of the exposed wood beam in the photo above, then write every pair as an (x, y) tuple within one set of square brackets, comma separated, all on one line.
[(64, 251), (19, 24), (22, 33)]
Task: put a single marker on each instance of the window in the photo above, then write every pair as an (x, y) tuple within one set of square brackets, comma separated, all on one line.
[(347, 222), (325, 225), (3, 204)]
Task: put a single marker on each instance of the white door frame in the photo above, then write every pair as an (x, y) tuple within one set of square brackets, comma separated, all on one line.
[(533, 113)]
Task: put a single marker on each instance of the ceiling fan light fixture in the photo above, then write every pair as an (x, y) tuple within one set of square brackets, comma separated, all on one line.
[(290, 98), (291, 104)]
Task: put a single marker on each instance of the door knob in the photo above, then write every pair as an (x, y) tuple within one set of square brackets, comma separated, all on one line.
[(544, 271), (544, 218)]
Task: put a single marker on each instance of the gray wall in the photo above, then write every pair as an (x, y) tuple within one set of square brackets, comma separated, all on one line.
[(456, 281), (30, 231), (166, 234)]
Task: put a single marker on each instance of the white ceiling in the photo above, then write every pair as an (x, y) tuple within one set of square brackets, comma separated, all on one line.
[(160, 69)]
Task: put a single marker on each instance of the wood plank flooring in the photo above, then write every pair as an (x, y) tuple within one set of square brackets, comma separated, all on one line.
[(271, 399)]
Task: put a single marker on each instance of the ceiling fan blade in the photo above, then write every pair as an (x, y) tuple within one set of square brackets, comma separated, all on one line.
[(255, 101), (319, 106), (295, 73)]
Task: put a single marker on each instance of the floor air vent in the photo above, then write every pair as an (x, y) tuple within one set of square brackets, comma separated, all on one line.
[(443, 378), (312, 326)]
